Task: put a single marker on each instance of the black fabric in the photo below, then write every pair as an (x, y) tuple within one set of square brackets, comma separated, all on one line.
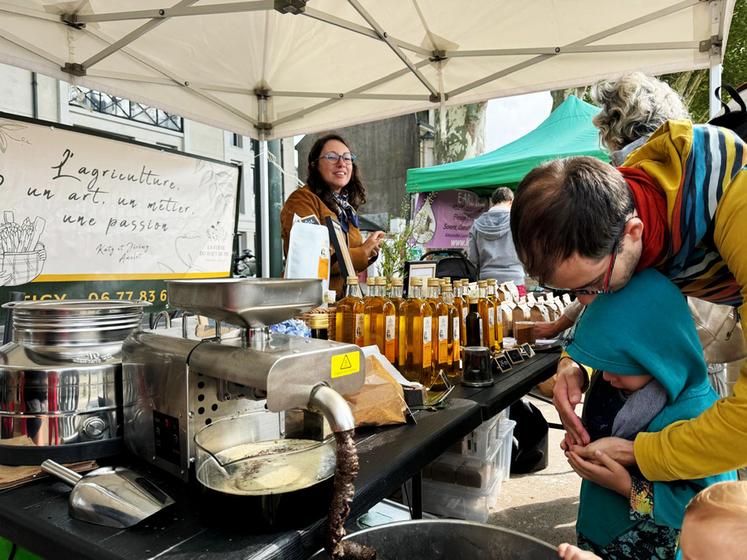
[(601, 405), (529, 451), (735, 120), (453, 264)]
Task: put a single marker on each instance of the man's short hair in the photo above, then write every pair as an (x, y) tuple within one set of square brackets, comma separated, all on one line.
[(501, 194), (566, 206)]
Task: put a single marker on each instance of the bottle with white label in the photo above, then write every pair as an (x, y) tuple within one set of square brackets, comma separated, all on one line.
[(453, 335), (440, 331), (349, 315), (379, 320), (415, 324), (395, 296), (462, 307)]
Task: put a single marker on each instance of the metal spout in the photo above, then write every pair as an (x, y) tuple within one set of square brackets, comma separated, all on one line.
[(333, 406)]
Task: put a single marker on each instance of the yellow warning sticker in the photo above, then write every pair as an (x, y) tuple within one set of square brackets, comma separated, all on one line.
[(346, 364)]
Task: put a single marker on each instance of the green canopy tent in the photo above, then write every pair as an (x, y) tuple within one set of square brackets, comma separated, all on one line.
[(568, 131)]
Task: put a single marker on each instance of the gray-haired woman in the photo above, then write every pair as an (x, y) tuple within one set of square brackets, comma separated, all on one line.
[(633, 107)]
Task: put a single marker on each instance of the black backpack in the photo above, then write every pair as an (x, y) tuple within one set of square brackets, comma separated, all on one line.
[(452, 263), (735, 120)]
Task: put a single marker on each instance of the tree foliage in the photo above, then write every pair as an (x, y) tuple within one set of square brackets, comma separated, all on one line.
[(693, 85)]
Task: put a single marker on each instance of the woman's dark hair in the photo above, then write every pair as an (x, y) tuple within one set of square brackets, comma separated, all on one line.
[(355, 189), (566, 206)]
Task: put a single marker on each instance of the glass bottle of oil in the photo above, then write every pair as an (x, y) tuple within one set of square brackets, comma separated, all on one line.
[(440, 331), (454, 332), (462, 307), (349, 315), (493, 296), (379, 319), (487, 312), (415, 336), (395, 296)]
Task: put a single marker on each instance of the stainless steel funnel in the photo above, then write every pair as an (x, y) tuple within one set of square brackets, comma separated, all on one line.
[(110, 496)]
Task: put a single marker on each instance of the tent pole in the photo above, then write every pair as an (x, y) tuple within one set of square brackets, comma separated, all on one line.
[(714, 71), (264, 208)]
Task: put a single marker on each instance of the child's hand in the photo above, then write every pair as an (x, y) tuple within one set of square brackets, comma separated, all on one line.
[(608, 473), (569, 552)]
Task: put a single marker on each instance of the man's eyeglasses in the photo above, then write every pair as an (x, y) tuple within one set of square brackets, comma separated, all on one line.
[(334, 157), (605, 283)]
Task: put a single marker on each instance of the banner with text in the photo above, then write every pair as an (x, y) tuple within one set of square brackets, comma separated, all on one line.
[(443, 219), (88, 217)]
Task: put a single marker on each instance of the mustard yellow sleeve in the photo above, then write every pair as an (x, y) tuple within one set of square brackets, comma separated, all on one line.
[(715, 441)]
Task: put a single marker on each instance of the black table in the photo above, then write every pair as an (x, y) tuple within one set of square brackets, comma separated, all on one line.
[(512, 385), (35, 516)]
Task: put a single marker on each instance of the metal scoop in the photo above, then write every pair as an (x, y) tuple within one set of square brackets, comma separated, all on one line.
[(110, 496)]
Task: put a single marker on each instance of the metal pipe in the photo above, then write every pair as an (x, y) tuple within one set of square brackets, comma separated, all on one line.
[(333, 406), (34, 96)]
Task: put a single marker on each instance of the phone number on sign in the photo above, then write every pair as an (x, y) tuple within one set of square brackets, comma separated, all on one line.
[(142, 295)]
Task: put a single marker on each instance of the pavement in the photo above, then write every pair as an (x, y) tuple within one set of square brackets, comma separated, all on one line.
[(542, 504)]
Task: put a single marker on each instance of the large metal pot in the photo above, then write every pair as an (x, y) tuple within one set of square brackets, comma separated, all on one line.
[(61, 380), (449, 539)]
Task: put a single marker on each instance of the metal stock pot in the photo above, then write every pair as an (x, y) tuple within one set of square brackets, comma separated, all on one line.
[(449, 539), (61, 380)]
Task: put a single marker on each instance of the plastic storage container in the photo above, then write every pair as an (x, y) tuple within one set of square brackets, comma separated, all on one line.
[(459, 502), (505, 436)]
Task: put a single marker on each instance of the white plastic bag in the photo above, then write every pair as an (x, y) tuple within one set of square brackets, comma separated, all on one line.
[(308, 252)]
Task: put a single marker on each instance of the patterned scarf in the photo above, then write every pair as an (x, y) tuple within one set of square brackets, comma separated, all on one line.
[(345, 212)]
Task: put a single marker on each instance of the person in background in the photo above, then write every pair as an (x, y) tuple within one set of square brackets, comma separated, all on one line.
[(715, 526), (649, 373), (333, 189), (491, 247)]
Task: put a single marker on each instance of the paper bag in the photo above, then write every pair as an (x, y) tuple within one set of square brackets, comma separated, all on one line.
[(381, 400)]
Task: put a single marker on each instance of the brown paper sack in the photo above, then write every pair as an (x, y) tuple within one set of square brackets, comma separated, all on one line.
[(380, 401)]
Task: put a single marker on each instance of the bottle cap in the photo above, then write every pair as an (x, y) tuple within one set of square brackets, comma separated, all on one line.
[(380, 281), (319, 321), (351, 281)]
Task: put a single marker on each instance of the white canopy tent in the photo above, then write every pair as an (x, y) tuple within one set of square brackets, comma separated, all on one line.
[(275, 68)]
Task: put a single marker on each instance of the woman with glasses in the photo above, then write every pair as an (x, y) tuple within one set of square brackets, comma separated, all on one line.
[(333, 189)]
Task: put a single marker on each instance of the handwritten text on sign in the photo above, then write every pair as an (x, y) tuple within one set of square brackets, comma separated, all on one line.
[(80, 207)]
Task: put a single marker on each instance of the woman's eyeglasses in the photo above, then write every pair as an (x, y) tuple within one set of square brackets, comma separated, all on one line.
[(334, 157)]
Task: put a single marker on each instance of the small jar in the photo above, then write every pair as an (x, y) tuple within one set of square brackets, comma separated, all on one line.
[(319, 325)]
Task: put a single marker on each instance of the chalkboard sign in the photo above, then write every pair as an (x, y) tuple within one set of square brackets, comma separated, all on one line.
[(86, 216)]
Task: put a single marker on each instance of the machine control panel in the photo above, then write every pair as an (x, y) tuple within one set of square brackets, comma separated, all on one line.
[(166, 437)]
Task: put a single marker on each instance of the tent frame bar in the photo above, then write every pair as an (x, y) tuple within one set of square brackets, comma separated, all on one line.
[(364, 87), (177, 80), (129, 38), (176, 11), (664, 46), (392, 45), (356, 28)]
